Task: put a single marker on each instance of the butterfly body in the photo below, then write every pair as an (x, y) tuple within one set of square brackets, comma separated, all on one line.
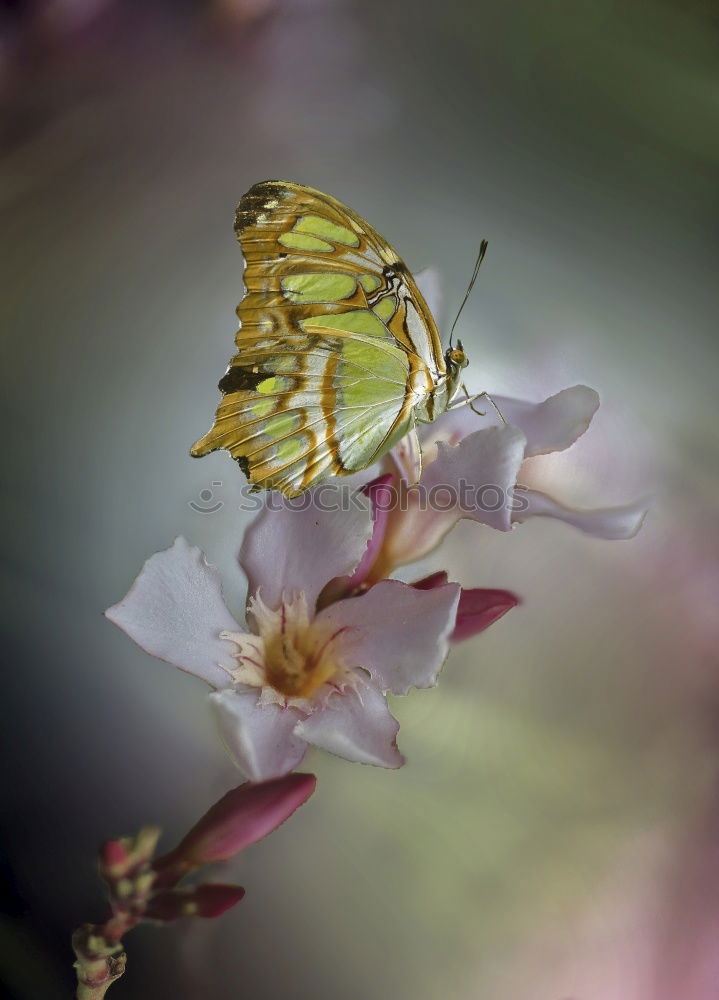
[(338, 354)]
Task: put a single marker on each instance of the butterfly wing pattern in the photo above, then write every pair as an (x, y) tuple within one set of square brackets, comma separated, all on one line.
[(336, 347)]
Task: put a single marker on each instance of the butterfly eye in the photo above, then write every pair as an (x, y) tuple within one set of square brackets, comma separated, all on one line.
[(457, 357)]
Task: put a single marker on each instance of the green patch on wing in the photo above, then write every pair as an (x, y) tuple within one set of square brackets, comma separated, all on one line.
[(362, 321), (370, 282), (282, 424), (324, 287), (272, 385), (302, 241), (372, 362), (386, 308), (369, 400), (315, 225)]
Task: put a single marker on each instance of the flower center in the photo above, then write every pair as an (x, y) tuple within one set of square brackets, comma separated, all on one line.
[(300, 655)]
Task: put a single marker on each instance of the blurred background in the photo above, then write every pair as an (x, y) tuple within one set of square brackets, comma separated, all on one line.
[(555, 835)]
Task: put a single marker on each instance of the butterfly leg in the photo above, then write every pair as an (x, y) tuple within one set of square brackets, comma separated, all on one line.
[(470, 400)]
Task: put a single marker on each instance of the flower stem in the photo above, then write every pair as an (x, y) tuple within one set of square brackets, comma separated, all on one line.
[(125, 867), (99, 963)]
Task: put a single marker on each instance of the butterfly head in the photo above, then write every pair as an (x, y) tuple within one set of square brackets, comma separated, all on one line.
[(456, 359)]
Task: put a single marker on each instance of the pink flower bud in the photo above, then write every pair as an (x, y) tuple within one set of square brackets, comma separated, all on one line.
[(214, 899), (478, 608), (433, 580), (209, 900), (114, 858), (240, 818)]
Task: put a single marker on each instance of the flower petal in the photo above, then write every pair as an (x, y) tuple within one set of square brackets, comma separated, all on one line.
[(356, 725), (380, 493), (479, 473), (478, 607), (259, 738), (430, 285), (451, 426), (473, 478), (407, 457), (303, 543), (608, 522), (399, 634), (175, 611), (553, 424)]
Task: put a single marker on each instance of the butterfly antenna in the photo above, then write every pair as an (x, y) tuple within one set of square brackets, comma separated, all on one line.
[(480, 257)]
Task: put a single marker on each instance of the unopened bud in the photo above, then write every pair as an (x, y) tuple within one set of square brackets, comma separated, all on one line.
[(209, 900), (478, 608), (124, 888), (114, 858), (144, 844), (143, 882), (240, 818)]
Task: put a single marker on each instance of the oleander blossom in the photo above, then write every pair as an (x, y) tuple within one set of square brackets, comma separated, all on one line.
[(470, 467), (329, 634), (303, 672)]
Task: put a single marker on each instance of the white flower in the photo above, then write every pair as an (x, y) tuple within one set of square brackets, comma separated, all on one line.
[(299, 675)]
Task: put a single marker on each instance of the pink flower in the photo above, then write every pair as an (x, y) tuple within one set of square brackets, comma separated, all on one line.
[(302, 673), (473, 474), (470, 468), (477, 609)]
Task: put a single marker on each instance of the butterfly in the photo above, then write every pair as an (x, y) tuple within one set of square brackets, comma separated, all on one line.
[(338, 355)]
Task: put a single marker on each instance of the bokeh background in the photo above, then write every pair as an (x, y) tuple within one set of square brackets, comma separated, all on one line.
[(555, 834)]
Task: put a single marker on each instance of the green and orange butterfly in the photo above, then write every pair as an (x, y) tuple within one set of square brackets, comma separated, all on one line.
[(338, 355)]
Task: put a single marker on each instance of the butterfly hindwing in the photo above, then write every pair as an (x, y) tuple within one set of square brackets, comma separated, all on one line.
[(335, 347), (305, 407)]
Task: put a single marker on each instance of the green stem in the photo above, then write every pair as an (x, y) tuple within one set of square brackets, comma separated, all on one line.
[(125, 866), (99, 962)]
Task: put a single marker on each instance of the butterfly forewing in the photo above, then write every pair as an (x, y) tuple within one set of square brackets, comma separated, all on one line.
[(335, 347)]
